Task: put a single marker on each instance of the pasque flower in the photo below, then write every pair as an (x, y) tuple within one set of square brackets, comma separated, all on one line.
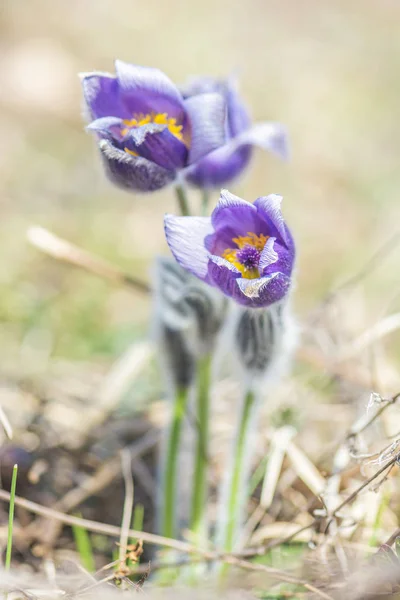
[(244, 249), (229, 160), (147, 131)]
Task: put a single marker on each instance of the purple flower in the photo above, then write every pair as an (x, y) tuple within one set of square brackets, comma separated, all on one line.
[(246, 250), (147, 130), (229, 160)]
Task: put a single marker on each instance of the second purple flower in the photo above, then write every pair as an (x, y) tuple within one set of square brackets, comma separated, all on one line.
[(246, 250)]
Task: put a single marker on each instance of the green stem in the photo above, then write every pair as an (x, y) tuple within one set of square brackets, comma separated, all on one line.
[(171, 464), (238, 476), (205, 201), (11, 518), (199, 494), (182, 200)]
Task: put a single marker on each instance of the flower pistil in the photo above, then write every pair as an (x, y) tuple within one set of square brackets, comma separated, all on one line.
[(246, 256)]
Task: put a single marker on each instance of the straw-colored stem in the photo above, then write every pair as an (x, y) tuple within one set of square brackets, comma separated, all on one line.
[(11, 518)]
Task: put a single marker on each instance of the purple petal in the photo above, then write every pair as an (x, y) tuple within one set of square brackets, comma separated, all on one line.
[(231, 211), (199, 85), (238, 119), (101, 93), (226, 163), (219, 167), (207, 121), (185, 237), (238, 116), (108, 127), (156, 143), (145, 90), (269, 209), (268, 256), (268, 136), (224, 275), (133, 173), (232, 217), (285, 259), (262, 292)]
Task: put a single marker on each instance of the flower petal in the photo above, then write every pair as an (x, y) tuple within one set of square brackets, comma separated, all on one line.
[(238, 115), (232, 217), (207, 121), (268, 255), (226, 162), (185, 238), (144, 89), (232, 211), (262, 292), (108, 127), (156, 143), (285, 261), (269, 209), (133, 173), (238, 119), (220, 167), (102, 96), (196, 85), (224, 275), (268, 136)]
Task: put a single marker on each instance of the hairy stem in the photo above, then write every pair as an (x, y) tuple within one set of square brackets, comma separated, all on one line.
[(237, 477), (205, 201), (182, 198), (198, 519), (169, 497)]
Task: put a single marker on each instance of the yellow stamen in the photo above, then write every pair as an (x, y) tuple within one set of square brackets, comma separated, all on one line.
[(159, 118), (251, 239), (230, 254), (131, 152)]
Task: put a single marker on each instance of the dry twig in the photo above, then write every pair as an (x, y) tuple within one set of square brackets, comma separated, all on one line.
[(64, 251), (127, 512)]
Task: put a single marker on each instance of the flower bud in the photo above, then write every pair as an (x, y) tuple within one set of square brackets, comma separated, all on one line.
[(264, 340), (188, 317)]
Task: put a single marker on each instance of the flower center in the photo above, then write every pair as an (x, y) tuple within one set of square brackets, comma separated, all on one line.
[(159, 118), (246, 256), (249, 257)]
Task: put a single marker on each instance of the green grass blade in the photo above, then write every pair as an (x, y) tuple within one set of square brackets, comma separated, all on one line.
[(84, 547), (137, 521)]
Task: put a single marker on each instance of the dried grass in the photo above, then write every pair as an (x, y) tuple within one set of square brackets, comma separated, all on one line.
[(329, 488)]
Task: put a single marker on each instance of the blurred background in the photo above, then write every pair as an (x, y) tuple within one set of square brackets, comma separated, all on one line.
[(328, 70)]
